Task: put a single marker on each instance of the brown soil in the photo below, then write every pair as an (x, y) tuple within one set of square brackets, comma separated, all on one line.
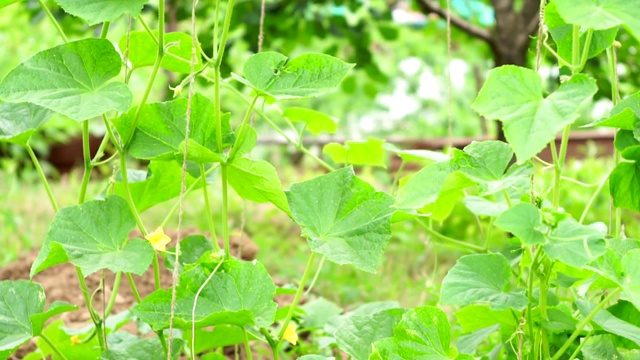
[(61, 283)]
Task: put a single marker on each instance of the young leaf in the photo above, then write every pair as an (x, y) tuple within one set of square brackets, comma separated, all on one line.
[(624, 114), (20, 120), (143, 50), (356, 333), (191, 249), (481, 278), (475, 317), (20, 301), (93, 236), (70, 79), (274, 75), (575, 244), (424, 187), (240, 293), (55, 332), (56, 308), (624, 185), (523, 221), (316, 122), (343, 218), (514, 95), (97, 11), (257, 180), (371, 152), (601, 15), (160, 131), (246, 141)]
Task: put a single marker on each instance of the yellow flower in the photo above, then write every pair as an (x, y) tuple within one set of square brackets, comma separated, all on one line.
[(290, 334), (75, 340), (158, 239)]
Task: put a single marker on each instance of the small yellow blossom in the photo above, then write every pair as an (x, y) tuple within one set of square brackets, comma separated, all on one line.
[(290, 334), (158, 239), (75, 340)]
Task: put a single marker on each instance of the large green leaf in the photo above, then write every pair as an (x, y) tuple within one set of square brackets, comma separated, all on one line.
[(475, 317), (343, 218), (123, 345), (523, 221), (161, 182), (257, 180), (624, 185), (424, 187), (631, 280), (624, 115), (239, 293), (18, 121), (481, 279), (143, 50), (356, 333), (71, 79), (20, 300), (274, 75), (315, 121), (97, 11), (160, 131), (575, 244), (370, 152), (601, 14), (610, 323), (514, 95), (93, 236)]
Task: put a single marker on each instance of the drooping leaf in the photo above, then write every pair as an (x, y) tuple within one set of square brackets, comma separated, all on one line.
[(274, 75), (143, 50), (523, 221), (319, 312), (56, 308), (160, 131), (453, 190), (123, 345), (514, 95), (624, 185), (484, 207), (601, 14), (57, 334), (239, 293), (575, 244), (220, 336), (257, 180), (475, 317), (624, 115), (370, 152), (161, 182), (20, 301), (610, 323), (631, 280), (18, 121), (71, 79), (469, 343), (356, 334), (424, 187), (93, 236), (481, 279), (97, 11), (343, 218), (316, 122), (600, 347), (420, 156)]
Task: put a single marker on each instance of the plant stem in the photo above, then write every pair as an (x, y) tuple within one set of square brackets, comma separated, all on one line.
[(225, 211), (86, 151), (134, 288), (243, 127), (575, 48), (225, 33), (559, 165), (582, 343), (43, 177), (592, 199), (297, 297), (459, 243), (616, 214), (207, 206), (195, 303), (315, 276), (114, 292), (584, 323), (52, 346), (105, 29), (127, 191), (156, 271), (175, 206), (247, 348), (54, 21)]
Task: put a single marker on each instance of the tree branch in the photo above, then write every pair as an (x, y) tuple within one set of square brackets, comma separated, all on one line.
[(428, 6)]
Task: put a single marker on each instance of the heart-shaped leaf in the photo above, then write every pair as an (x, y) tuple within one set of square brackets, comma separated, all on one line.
[(143, 50), (123, 345), (343, 218), (523, 221), (624, 185), (316, 122), (71, 79), (423, 187), (601, 14), (97, 11), (257, 180), (20, 120), (356, 333), (576, 244), (20, 301)]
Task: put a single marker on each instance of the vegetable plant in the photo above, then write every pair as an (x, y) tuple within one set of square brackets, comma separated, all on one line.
[(551, 287)]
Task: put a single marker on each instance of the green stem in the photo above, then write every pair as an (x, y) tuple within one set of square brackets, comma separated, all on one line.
[(315, 276), (88, 167), (507, 198), (215, 28), (575, 48), (87, 299), (582, 343), (243, 127), (43, 177), (592, 199), (616, 214), (53, 346), (459, 243), (134, 288), (103, 145), (127, 191), (584, 323), (156, 272), (112, 300), (54, 21), (225, 211), (175, 206), (225, 34), (585, 51), (207, 206), (297, 297), (559, 165), (105, 29), (247, 348), (145, 96)]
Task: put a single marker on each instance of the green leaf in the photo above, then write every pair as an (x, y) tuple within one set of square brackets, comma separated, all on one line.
[(631, 280), (601, 14), (343, 218), (484, 207), (57, 334), (246, 141), (453, 189), (624, 185), (123, 345), (70, 79), (356, 333), (56, 308), (4, 3), (316, 357), (575, 244), (191, 249), (600, 347), (481, 279), (143, 51), (424, 187), (560, 319), (422, 157), (97, 11), (161, 182), (20, 120), (93, 236), (475, 317), (471, 342), (160, 132), (562, 34), (220, 336), (239, 293), (514, 95), (257, 180), (423, 333), (370, 152), (610, 323), (274, 75), (20, 301), (316, 122), (523, 221), (624, 115), (319, 312)]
